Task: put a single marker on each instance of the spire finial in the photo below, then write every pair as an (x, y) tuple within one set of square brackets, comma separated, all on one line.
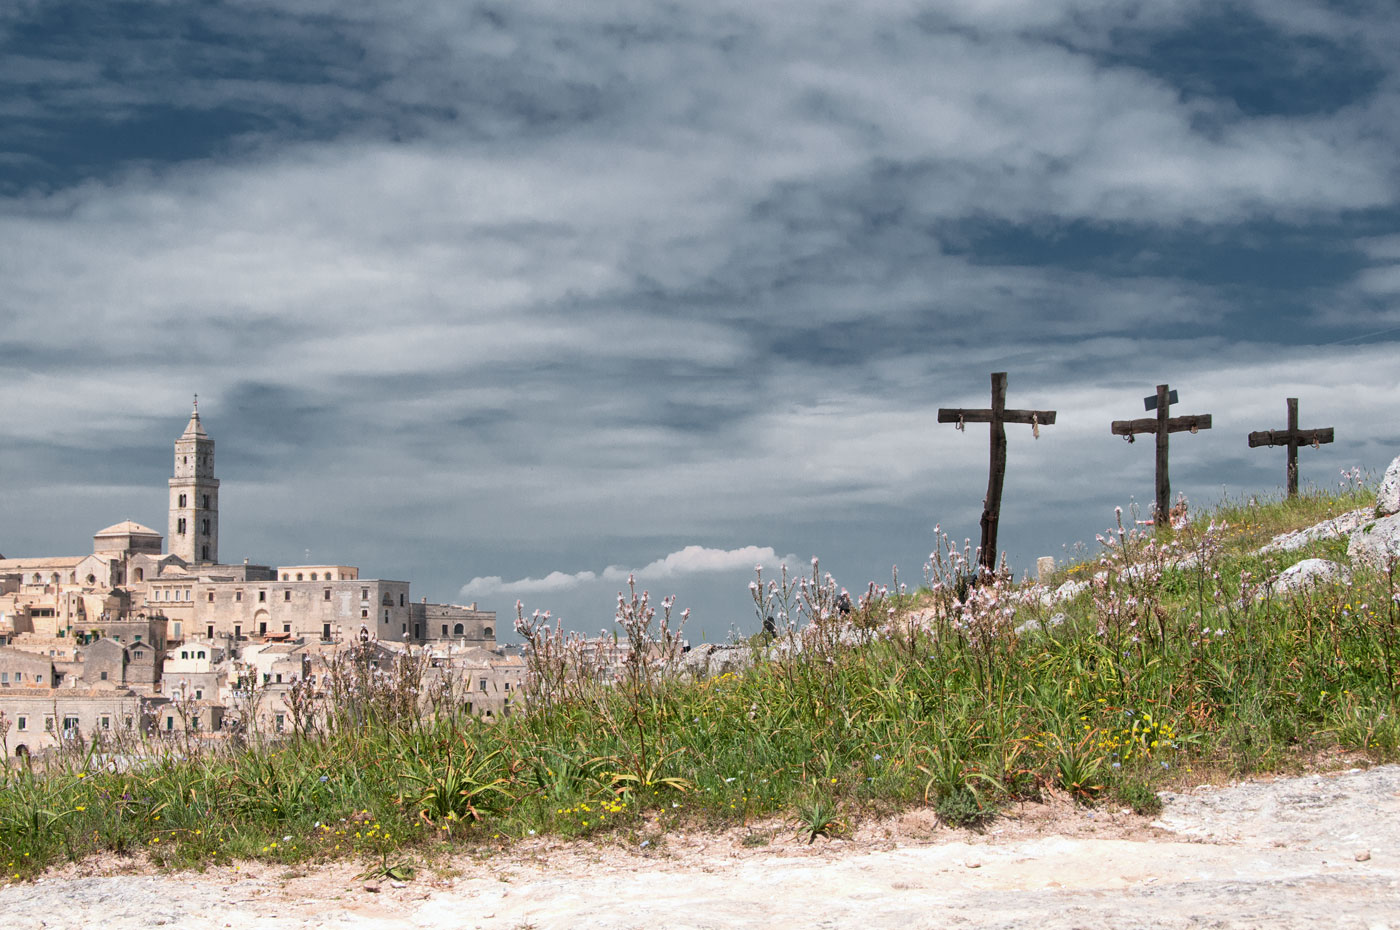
[(195, 414)]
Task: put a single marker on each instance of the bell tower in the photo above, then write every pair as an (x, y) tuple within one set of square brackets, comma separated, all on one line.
[(194, 495)]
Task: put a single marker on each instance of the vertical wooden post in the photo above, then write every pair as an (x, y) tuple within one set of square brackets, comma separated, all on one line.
[(1293, 437), (996, 475), (997, 416), (1292, 447), (1164, 484)]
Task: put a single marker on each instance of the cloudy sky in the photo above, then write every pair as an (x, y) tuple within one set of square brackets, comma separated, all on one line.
[(509, 299)]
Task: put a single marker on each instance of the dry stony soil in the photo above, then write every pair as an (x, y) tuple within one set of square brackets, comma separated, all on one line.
[(1318, 850)]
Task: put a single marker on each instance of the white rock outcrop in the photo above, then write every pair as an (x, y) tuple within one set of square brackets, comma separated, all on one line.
[(1327, 529), (1376, 543), (1388, 497), (1308, 573)]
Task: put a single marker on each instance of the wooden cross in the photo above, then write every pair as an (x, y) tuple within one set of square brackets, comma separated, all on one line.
[(997, 416), (1161, 425), (1293, 437)]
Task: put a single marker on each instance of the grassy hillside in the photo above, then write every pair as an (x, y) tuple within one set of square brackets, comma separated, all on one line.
[(1171, 665)]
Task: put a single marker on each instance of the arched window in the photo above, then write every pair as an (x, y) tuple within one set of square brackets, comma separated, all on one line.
[(299, 578), (38, 578), (313, 576), (486, 631), (53, 579), (92, 579), (458, 630), (200, 654)]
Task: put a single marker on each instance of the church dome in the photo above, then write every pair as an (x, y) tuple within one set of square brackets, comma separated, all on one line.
[(126, 528)]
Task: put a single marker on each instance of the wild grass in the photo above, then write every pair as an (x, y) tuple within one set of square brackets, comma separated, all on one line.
[(1173, 661)]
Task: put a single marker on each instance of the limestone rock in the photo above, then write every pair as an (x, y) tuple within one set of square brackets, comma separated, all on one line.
[(1376, 543), (1308, 573), (1388, 497), (712, 659), (1327, 529)]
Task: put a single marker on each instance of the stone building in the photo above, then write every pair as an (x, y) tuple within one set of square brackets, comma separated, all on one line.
[(106, 624)]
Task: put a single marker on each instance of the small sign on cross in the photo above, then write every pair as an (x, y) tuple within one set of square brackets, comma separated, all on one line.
[(1161, 425), (1293, 437), (997, 415)]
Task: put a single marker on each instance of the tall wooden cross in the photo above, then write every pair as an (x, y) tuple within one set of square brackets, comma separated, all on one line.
[(1162, 425), (1293, 437), (997, 416)]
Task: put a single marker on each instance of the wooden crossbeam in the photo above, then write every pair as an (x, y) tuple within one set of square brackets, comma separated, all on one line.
[(1292, 437), (1162, 426), (997, 415)]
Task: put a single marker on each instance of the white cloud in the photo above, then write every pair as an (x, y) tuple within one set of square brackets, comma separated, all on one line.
[(690, 560)]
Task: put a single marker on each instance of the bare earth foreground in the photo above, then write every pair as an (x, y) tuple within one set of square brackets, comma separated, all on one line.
[(1311, 851)]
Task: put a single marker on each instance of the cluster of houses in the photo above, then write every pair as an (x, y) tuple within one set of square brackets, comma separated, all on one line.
[(137, 642)]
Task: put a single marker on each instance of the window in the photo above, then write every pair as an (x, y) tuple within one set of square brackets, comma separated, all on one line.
[(402, 598), (237, 631), (204, 550), (140, 574), (444, 629), (4, 678), (70, 724), (169, 724), (211, 597), (313, 576), (364, 593), (126, 722), (286, 595), (199, 694), (19, 676), (106, 722), (483, 684), (138, 638), (238, 596), (210, 636), (280, 722), (22, 723), (38, 678), (327, 594), (286, 628), (178, 630), (364, 614), (104, 676), (262, 596), (486, 631), (184, 654), (262, 629), (286, 576), (457, 630), (200, 654), (48, 724), (326, 632), (278, 678), (388, 599), (182, 501), (299, 577), (206, 502), (194, 722), (180, 526)]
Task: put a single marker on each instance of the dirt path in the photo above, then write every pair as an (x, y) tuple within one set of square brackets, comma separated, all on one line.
[(1312, 851)]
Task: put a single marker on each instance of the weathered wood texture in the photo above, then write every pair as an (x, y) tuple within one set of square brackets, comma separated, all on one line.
[(997, 415), (1162, 426), (1292, 437)]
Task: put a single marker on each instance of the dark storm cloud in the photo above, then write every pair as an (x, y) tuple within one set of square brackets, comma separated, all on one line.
[(524, 293)]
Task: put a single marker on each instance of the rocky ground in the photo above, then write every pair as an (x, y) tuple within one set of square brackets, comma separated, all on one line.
[(1310, 851)]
